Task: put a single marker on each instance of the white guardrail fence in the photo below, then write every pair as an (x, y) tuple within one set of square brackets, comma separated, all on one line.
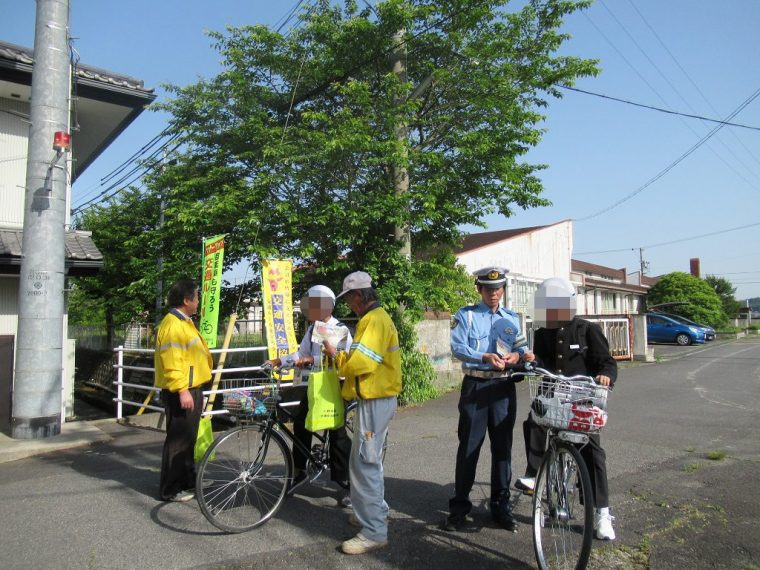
[(120, 384)]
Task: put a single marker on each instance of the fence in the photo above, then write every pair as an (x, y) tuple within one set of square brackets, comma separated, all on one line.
[(146, 404), (618, 331)]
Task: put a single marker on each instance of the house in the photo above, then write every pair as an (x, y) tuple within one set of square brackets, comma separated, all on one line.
[(608, 296), (606, 291), (531, 255), (102, 105)]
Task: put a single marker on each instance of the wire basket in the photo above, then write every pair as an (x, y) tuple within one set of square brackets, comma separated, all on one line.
[(249, 400), (568, 404)]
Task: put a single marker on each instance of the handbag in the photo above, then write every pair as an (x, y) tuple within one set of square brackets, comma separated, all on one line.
[(204, 439), (325, 402)]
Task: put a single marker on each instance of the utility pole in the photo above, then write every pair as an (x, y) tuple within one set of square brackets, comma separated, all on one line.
[(643, 264), (39, 353), (400, 174)]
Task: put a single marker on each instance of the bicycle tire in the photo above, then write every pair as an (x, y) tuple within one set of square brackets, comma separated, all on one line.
[(243, 478), (562, 510), (350, 422)]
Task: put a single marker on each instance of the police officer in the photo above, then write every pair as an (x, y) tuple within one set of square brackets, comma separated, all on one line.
[(486, 338)]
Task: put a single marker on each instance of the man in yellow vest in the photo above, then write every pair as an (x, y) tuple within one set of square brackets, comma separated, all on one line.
[(372, 372), (183, 365)]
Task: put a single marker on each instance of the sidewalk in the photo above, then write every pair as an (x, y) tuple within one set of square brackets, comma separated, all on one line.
[(73, 434)]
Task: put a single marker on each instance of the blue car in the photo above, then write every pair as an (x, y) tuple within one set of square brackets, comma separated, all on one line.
[(708, 330), (664, 329)]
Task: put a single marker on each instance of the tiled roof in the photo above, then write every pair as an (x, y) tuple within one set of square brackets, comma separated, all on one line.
[(24, 56), (79, 246), (586, 267)]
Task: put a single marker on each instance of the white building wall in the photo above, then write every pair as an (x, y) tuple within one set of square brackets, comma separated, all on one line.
[(539, 255), (14, 142), (530, 258)]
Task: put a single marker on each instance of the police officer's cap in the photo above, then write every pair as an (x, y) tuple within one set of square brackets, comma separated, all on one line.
[(491, 277)]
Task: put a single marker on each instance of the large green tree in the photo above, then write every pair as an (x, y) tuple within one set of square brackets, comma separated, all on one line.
[(302, 145), (726, 291), (691, 296), (295, 148)]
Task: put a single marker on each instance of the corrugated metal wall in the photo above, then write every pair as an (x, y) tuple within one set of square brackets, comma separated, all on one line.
[(8, 305), (14, 138)]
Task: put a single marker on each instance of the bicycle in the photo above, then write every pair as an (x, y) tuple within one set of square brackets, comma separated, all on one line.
[(247, 472), (562, 509)]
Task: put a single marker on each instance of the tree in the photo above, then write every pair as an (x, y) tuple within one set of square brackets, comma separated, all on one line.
[(292, 150), (314, 182), (725, 290), (702, 303)]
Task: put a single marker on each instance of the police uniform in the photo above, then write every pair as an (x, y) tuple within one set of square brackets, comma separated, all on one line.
[(579, 347), (487, 401)]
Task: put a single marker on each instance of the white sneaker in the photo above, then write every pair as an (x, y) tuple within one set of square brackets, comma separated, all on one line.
[(361, 545), (603, 524), (526, 484)]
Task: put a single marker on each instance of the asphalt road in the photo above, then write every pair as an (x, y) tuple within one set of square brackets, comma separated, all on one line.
[(683, 455)]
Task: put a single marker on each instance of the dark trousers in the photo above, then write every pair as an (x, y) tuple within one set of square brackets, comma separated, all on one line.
[(177, 463), (484, 405), (592, 453), (340, 443)]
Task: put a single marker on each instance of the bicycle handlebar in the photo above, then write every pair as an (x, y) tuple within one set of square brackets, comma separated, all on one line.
[(531, 368)]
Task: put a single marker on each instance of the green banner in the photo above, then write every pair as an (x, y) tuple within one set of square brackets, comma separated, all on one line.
[(213, 258)]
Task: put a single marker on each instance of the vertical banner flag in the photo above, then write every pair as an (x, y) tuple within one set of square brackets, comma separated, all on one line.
[(213, 257), (277, 286)]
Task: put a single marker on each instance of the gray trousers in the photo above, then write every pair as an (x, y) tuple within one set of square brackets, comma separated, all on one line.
[(366, 466)]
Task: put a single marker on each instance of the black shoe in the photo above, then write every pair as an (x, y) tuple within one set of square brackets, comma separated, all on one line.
[(504, 518), (455, 522)]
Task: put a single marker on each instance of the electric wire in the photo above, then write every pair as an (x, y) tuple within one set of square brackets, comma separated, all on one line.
[(680, 240), (660, 109), (686, 102), (673, 164), (686, 74), (648, 84)]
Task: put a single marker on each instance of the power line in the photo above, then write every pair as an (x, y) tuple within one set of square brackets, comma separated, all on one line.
[(660, 109), (686, 74), (654, 65), (672, 241), (673, 164)]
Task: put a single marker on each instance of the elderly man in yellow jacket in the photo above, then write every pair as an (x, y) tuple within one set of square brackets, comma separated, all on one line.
[(183, 365), (372, 372)]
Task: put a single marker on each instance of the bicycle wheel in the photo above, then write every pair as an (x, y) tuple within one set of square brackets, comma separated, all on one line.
[(562, 510), (352, 418), (243, 477)]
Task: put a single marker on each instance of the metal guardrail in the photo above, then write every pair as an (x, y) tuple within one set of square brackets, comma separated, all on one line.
[(121, 367), (619, 333)]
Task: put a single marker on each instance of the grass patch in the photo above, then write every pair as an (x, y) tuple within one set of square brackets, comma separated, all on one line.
[(716, 455), (690, 449), (691, 467)]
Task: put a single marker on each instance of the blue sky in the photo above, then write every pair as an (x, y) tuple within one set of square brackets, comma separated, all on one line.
[(692, 56)]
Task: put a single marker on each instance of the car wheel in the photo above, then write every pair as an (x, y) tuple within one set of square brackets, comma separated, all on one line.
[(683, 339)]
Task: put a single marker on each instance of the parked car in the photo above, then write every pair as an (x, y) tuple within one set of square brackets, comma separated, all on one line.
[(709, 331), (664, 329)]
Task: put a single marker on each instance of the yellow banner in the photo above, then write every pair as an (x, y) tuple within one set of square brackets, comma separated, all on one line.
[(213, 265), (277, 286)]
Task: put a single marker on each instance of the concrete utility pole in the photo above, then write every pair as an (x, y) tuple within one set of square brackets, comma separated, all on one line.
[(39, 353), (400, 173)]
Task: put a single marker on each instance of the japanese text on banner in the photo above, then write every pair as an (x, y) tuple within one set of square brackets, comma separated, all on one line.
[(213, 264), (277, 286)]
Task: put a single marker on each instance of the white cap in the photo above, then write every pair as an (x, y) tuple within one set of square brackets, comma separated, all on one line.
[(356, 280), (321, 291)]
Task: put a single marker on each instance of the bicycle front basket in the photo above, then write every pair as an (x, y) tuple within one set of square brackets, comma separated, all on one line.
[(567, 405)]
